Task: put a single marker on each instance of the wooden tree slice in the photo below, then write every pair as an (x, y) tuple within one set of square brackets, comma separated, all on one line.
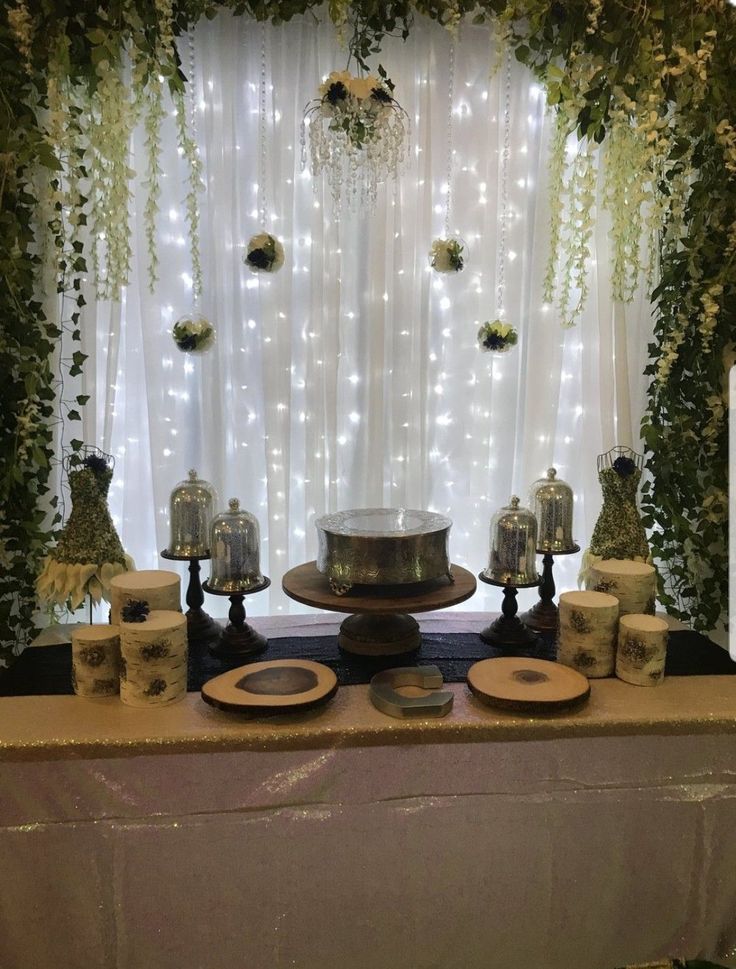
[(527, 685), (277, 686)]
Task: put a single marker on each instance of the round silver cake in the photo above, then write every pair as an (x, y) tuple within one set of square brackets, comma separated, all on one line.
[(383, 546)]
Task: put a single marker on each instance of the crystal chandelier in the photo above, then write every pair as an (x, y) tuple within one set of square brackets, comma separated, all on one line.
[(358, 134)]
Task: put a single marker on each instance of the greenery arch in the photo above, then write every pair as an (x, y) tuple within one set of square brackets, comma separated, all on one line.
[(651, 81)]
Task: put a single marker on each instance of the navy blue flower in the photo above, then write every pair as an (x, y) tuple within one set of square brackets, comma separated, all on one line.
[(96, 464), (135, 611), (336, 92), (259, 258), (378, 94), (494, 342), (624, 467)]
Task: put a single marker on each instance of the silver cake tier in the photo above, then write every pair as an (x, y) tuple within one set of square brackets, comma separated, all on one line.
[(383, 546)]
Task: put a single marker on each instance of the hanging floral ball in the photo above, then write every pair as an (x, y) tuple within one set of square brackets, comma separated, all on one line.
[(497, 337), (446, 255), (193, 334), (265, 254)]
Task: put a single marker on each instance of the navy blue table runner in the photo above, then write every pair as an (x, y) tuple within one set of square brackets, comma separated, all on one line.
[(46, 670)]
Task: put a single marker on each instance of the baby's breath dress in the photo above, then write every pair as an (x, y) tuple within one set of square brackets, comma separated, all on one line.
[(619, 532), (88, 553)]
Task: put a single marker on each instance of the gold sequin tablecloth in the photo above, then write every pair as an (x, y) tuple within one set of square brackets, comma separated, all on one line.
[(62, 727)]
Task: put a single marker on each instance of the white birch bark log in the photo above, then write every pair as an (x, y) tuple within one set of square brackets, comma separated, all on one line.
[(587, 635), (153, 668), (159, 588), (96, 660), (642, 650), (633, 583)]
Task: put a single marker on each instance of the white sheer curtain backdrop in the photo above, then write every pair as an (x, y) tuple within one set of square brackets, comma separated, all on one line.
[(352, 377)]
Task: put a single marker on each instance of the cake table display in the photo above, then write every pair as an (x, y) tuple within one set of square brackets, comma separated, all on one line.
[(587, 639), (236, 572), (511, 566), (192, 507), (552, 502), (88, 553), (633, 583), (380, 623), (157, 588), (153, 648)]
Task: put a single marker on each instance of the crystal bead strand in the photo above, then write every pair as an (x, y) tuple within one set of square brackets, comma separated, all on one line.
[(262, 134), (503, 213), (191, 104), (450, 153)]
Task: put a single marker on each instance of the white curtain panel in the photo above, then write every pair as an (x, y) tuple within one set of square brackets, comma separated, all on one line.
[(352, 377)]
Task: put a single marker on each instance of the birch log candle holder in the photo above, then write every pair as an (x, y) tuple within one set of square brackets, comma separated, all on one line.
[(642, 649), (587, 637), (96, 660), (633, 583), (160, 589), (153, 669)]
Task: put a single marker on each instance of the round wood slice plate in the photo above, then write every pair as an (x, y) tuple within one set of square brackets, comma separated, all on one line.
[(527, 685), (276, 686), (305, 584)]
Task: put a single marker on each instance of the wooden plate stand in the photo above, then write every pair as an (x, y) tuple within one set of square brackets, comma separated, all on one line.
[(380, 623)]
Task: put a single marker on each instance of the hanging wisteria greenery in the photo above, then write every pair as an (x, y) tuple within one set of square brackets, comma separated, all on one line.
[(649, 83)]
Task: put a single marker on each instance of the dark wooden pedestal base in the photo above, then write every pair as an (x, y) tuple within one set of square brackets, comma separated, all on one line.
[(238, 640), (379, 634), (544, 615), (202, 629), (508, 632)]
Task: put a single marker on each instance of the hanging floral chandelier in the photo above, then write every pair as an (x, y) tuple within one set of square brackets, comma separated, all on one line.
[(358, 134)]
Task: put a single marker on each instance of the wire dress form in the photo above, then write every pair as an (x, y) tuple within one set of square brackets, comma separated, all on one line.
[(88, 552), (618, 532)]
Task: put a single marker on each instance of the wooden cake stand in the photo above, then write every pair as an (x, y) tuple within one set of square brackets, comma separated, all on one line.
[(380, 624)]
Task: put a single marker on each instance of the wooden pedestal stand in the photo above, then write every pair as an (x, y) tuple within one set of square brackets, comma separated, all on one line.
[(508, 632), (202, 629), (238, 641), (544, 615), (380, 624)]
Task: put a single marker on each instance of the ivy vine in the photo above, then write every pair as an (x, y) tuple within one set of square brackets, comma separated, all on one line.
[(647, 81)]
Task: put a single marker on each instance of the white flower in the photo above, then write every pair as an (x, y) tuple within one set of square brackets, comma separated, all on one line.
[(446, 255), (362, 87)]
